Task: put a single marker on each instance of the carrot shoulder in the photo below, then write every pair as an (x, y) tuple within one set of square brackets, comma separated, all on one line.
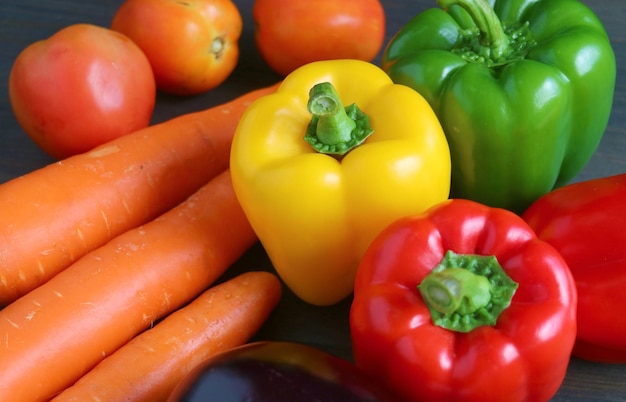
[(53, 335), (54, 215), (148, 367)]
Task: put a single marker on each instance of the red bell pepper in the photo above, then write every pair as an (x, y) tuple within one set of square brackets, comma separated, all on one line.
[(464, 303), (586, 223)]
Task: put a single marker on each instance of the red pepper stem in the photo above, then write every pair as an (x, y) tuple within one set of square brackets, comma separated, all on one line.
[(455, 290), (465, 291), (493, 37)]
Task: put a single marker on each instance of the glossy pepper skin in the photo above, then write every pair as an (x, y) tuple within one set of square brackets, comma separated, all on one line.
[(523, 356), (316, 213), (523, 90), (585, 222)]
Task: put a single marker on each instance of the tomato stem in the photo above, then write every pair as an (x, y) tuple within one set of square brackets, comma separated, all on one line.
[(217, 47)]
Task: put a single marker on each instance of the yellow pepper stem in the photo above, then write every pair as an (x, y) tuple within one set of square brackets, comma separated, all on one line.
[(334, 129)]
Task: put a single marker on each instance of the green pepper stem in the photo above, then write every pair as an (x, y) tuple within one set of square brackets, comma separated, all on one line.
[(492, 35), (334, 129)]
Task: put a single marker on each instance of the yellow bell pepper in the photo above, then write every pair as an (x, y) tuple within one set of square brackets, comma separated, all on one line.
[(317, 205)]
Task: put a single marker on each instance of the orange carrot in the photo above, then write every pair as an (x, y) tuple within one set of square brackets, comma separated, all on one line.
[(53, 335), (148, 367), (54, 215)]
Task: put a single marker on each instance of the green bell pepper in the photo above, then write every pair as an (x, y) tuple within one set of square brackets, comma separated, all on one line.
[(522, 88)]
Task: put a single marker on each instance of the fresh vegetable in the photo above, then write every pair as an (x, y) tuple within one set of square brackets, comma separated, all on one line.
[(291, 33), (523, 91), (192, 45), (68, 208), (59, 331), (278, 371), (81, 87), (464, 303), (314, 203), (149, 366), (585, 222)]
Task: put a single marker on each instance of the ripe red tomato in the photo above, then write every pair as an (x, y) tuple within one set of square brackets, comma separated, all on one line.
[(192, 45), (81, 87), (291, 33)]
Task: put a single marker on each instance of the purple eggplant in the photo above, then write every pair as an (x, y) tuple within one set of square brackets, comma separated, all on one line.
[(275, 372)]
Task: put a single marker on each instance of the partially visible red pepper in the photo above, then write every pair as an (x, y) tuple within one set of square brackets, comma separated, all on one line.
[(586, 223), (416, 323)]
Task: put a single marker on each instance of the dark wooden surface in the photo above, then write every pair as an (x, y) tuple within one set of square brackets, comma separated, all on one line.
[(25, 21)]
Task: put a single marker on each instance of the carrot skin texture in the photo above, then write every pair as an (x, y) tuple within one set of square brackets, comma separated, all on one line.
[(53, 335), (54, 215), (148, 367)]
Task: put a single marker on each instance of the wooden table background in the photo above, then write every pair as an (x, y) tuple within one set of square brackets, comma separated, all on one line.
[(25, 21)]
